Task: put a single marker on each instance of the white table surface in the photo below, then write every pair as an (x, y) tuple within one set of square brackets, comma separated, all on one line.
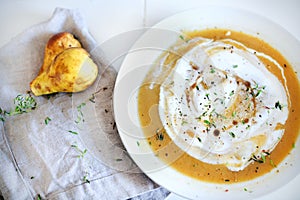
[(109, 18)]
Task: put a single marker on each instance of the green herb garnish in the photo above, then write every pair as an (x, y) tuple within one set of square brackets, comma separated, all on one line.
[(233, 114), (85, 179), (3, 114), (207, 122), (254, 158), (159, 135), (278, 105), (272, 163), (73, 132), (183, 38), (210, 124), (81, 152), (258, 90), (199, 139), (204, 113), (231, 134), (207, 96), (184, 122), (80, 113), (234, 66), (263, 158), (24, 104), (198, 118), (47, 120), (92, 98), (258, 93)]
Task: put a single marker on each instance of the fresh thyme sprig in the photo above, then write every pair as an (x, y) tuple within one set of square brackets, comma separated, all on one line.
[(81, 152), (80, 117), (24, 103), (85, 178)]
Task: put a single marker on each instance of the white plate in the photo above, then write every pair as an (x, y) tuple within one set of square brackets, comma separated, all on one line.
[(135, 67)]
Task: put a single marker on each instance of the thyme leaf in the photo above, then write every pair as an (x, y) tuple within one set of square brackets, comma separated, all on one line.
[(207, 96), (184, 122), (86, 180), (92, 98), (199, 139), (233, 114), (80, 113), (81, 152), (3, 114), (263, 158), (231, 134), (73, 132), (159, 135), (39, 197), (47, 120), (278, 105), (207, 122), (272, 163)]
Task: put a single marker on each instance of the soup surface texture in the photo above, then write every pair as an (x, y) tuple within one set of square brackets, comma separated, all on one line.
[(220, 106)]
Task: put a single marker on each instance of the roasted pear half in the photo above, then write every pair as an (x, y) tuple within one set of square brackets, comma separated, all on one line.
[(66, 67), (72, 70), (57, 44)]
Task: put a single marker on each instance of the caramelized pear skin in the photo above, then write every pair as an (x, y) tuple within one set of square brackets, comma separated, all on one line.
[(67, 67)]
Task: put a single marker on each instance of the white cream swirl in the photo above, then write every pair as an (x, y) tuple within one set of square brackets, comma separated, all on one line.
[(221, 104)]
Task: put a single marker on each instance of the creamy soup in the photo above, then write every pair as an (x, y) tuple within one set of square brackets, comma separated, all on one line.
[(221, 106)]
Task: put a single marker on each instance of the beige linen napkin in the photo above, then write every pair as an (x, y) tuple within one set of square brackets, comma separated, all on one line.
[(68, 147)]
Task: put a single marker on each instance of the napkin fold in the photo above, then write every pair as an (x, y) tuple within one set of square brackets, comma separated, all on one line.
[(77, 153)]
